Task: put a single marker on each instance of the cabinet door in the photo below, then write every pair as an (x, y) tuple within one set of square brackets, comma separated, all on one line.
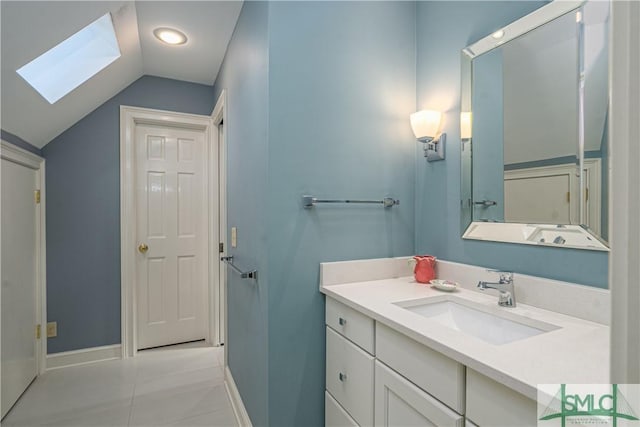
[(400, 403), (433, 372), (492, 404)]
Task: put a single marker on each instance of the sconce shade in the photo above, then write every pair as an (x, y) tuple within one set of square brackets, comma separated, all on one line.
[(426, 124), (465, 125)]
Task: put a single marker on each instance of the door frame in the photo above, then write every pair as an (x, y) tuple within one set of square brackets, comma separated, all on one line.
[(624, 225), (130, 117), (30, 160), (218, 160)]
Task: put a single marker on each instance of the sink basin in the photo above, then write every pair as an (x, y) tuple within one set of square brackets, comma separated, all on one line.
[(477, 320)]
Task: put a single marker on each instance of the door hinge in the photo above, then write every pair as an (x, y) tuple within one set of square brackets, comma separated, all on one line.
[(36, 196), (586, 193), (38, 332), (221, 247), (568, 196)]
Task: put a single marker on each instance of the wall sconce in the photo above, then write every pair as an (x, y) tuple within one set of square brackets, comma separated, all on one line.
[(425, 125), (465, 125)]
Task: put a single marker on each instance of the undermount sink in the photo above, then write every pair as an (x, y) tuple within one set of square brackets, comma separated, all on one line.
[(477, 320)]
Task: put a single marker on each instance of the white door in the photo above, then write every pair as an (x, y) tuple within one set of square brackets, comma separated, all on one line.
[(19, 262), (542, 195), (540, 199), (171, 234), (398, 402)]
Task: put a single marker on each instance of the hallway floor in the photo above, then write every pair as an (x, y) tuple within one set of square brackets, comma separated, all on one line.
[(175, 386)]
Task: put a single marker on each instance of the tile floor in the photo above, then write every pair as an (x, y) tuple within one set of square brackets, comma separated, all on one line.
[(171, 386)]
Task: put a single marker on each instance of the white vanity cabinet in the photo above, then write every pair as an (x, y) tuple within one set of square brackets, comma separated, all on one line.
[(378, 376)]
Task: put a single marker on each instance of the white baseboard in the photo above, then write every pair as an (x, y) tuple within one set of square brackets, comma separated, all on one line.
[(83, 356), (242, 416)]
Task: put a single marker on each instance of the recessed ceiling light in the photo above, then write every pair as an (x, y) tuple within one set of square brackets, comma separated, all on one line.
[(170, 36), (498, 34)]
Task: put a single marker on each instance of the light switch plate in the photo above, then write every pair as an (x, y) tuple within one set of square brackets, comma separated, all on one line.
[(52, 329), (234, 237)]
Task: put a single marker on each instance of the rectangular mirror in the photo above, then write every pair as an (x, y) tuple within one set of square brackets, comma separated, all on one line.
[(535, 102)]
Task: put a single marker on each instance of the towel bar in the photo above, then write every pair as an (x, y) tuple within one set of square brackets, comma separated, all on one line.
[(253, 274), (309, 201)]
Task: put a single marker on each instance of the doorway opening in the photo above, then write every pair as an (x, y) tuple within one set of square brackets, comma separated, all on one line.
[(169, 229)]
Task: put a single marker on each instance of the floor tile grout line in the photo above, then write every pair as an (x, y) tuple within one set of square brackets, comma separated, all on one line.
[(133, 396)]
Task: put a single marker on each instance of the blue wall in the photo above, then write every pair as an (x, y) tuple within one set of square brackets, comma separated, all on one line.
[(333, 88), (244, 75), (342, 86), (438, 224), (19, 142), (83, 212)]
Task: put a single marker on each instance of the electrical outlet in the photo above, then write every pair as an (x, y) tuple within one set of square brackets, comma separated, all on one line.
[(52, 329), (234, 237)]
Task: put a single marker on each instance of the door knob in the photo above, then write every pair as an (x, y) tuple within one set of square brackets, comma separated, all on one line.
[(143, 248)]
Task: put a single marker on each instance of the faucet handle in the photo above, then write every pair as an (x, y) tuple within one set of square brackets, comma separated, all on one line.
[(505, 276)]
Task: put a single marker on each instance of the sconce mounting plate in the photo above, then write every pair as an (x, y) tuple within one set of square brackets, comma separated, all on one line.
[(435, 150)]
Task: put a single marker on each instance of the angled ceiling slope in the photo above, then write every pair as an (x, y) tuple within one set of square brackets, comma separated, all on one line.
[(30, 28)]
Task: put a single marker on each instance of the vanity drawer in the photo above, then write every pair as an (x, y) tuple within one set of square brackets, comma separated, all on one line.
[(438, 375), (490, 403), (335, 415), (350, 377), (351, 323)]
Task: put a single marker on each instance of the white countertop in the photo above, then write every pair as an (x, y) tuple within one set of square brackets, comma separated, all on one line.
[(577, 352)]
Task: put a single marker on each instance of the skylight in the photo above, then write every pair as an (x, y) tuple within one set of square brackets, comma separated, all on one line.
[(66, 66)]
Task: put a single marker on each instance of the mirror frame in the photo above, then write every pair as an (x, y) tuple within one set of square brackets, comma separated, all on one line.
[(502, 231)]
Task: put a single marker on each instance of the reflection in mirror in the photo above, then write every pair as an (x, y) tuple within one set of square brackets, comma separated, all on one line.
[(537, 153)]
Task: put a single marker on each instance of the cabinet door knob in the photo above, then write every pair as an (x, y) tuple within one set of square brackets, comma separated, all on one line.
[(143, 248), (342, 377), (342, 321)]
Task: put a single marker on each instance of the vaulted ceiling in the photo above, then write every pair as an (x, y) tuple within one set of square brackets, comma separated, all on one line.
[(30, 28)]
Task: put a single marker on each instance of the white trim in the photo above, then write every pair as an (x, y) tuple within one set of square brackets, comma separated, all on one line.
[(20, 156), (239, 410), (83, 356), (624, 269), (33, 161), (523, 25), (42, 272), (218, 198), (594, 172), (129, 118)]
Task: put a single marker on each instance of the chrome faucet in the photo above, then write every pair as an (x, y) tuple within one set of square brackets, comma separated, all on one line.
[(507, 296)]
